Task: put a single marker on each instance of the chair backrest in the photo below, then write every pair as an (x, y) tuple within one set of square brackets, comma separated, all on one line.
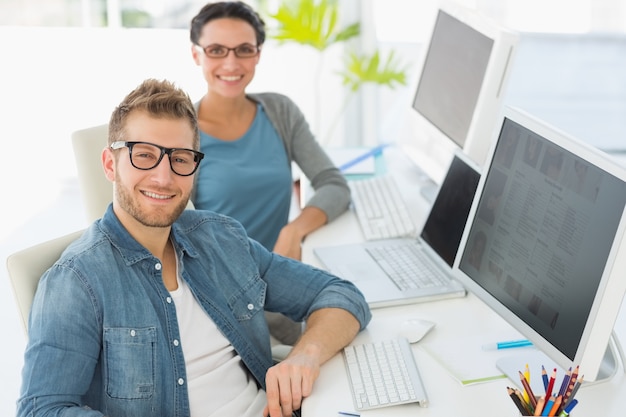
[(28, 265), (96, 190)]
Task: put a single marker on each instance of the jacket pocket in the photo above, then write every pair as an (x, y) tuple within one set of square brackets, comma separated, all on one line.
[(129, 365)]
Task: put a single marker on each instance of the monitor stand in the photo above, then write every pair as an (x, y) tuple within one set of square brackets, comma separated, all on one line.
[(429, 190), (428, 187), (512, 365)]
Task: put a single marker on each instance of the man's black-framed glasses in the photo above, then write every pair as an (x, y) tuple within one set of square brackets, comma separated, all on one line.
[(245, 50), (146, 156)]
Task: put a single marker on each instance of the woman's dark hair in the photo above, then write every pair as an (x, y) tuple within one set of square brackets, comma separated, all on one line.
[(230, 10)]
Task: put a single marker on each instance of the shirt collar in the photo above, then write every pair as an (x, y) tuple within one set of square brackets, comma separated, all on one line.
[(132, 251)]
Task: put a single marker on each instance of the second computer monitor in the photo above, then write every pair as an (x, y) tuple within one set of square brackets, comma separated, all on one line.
[(460, 89)]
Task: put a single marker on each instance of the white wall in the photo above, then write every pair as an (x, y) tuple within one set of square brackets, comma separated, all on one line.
[(56, 80)]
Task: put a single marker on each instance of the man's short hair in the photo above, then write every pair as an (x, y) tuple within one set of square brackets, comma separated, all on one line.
[(160, 99)]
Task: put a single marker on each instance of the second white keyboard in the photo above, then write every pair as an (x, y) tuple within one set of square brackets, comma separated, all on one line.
[(380, 209)]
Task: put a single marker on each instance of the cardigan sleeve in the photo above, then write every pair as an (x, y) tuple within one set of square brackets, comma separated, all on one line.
[(332, 194)]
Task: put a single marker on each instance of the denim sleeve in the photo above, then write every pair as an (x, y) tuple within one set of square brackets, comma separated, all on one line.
[(297, 289), (62, 349)]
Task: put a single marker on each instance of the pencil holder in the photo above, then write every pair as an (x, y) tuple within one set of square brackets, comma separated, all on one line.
[(528, 413)]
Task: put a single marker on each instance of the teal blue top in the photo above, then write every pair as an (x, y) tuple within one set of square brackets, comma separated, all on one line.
[(248, 179)]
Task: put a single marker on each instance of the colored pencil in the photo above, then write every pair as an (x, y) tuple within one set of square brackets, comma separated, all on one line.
[(540, 403), (544, 377), (551, 384), (565, 382), (518, 402), (528, 391)]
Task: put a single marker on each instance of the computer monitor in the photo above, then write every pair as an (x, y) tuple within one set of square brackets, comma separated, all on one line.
[(459, 90), (544, 246)]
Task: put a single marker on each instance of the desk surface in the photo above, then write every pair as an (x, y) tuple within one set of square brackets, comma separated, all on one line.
[(462, 324)]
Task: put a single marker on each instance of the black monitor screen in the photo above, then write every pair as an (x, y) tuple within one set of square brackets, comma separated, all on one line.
[(545, 224), (444, 226)]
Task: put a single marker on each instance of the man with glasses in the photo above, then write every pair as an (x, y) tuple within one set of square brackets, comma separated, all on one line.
[(157, 310)]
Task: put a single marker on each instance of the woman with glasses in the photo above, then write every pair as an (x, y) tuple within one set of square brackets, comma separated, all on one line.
[(250, 140)]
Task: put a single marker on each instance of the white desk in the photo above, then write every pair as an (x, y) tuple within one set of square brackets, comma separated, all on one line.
[(459, 321)]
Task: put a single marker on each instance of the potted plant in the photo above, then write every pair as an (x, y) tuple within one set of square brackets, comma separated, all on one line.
[(315, 23)]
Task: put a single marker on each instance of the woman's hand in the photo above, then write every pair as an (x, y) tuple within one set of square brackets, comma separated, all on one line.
[(289, 242)]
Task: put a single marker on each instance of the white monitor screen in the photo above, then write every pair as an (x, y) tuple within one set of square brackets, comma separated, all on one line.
[(460, 89), (542, 245), (452, 76)]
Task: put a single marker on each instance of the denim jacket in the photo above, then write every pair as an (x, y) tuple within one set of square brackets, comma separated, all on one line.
[(103, 333)]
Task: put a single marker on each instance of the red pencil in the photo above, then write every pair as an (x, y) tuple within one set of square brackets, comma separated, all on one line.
[(551, 384)]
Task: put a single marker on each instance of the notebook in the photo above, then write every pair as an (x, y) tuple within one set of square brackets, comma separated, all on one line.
[(366, 263)]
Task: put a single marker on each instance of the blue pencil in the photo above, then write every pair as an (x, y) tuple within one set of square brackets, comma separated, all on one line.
[(372, 152), (568, 408), (544, 377), (548, 406)]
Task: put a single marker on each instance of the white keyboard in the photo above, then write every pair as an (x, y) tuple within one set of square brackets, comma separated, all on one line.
[(408, 266), (382, 374), (380, 209)]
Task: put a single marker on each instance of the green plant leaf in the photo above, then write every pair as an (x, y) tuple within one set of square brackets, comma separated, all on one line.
[(351, 31), (367, 69), (311, 23)]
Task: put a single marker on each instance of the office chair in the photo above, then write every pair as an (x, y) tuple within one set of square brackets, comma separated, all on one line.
[(28, 265), (96, 190)]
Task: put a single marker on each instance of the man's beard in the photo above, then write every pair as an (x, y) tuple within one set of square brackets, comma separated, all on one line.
[(157, 217)]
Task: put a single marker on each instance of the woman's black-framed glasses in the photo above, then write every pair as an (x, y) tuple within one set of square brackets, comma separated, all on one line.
[(146, 156), (245, 50)]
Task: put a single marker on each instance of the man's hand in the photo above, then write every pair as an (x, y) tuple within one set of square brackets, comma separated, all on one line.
[(290, 381), (327, 331)]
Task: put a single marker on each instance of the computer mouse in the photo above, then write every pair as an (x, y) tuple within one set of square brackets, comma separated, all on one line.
[(415, 329)]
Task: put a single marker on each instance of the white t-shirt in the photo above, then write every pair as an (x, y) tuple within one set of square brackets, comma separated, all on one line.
[(218, 382)]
